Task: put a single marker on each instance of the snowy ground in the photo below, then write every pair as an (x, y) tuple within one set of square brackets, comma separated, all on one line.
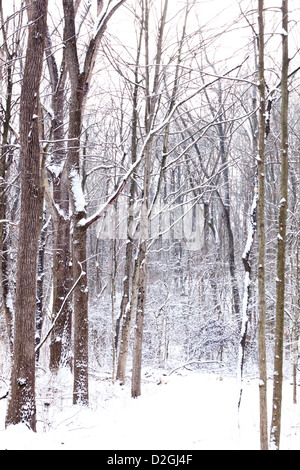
[(189, 411)]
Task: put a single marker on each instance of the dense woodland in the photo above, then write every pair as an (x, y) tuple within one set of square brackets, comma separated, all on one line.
[(150, 191)]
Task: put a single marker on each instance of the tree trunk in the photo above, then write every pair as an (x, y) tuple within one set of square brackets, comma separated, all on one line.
[(61, 337), (296, 295), (296, 319), (142, 284), (127, 320), (80, 297), (247, 290), (40, 286), (22, 407), (126, 307), (139, 325), (281, 241), (79, 87), (151, 101), (3, 203), (262, 239)]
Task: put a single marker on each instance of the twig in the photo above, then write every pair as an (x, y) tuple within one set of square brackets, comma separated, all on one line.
[(4, 396), (38, 347), (192, 362)]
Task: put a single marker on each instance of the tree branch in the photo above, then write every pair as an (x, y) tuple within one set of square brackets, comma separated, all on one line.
[(38, 347)]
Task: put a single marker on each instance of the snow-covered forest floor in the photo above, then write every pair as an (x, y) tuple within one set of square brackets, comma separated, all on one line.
[(182, 411)]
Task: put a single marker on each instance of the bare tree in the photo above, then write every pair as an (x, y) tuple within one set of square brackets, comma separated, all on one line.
[(79, 87), (6, 57), (261, 233), (22, 406), (126, 307), (60, 346), (281, 241), (151, 103)]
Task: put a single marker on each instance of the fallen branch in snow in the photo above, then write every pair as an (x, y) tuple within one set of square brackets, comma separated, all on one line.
[(38, 347), (193, 362)]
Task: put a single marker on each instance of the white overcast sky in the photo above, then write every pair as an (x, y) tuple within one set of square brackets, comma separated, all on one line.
[(210, 15)]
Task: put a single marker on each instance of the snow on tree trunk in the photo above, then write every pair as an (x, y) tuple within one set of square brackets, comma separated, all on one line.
[(281, 242), (261, 235), (22, 406), (247, 287)]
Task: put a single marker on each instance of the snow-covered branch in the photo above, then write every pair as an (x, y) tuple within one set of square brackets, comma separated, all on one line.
[(89, 221)]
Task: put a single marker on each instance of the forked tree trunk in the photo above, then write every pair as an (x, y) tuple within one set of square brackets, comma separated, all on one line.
[(22, 406), (79, 87), (61, 342), (151, 102)]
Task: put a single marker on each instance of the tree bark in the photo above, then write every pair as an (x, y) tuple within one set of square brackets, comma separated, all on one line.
[(8, 51), (261, 237), (142, 283), (79, 88), (80, 297), (127, 321), (296, 319), (126, 307), (40, 284), (281, 241), (296, 294), (139, 324), (22, 406), (61, 338), (3, 204), (151, 101), (247, 292)]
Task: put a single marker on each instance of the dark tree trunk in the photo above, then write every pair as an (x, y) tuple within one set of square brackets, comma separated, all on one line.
[(61, 337), (281, 242), (3, 203), (80, 297), (79, 88), (262, 238), (22, 407)]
